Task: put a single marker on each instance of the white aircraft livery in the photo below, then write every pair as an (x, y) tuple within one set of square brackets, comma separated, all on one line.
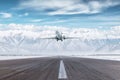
[(60, 36)]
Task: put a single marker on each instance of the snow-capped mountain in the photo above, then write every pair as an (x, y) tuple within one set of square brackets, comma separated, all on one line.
[(17, 40)]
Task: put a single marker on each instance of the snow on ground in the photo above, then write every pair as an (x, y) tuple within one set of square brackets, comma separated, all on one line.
[(17, 57), (92, 56), (116, 58)]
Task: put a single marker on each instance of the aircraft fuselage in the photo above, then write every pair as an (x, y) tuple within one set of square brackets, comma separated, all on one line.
[(59, 36)]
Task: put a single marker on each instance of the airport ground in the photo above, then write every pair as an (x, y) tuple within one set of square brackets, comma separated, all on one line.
[(47, 68)]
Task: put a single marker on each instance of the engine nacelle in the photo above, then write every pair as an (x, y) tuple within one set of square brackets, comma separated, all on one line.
[(64, 37)]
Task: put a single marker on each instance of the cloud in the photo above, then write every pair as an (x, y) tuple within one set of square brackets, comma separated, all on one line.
[(36, 20), (56, 21), (25, 14), (1, 25), (5, 15), (62, 7)]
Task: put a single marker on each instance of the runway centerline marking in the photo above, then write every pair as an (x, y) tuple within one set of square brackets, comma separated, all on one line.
[(62, 71)]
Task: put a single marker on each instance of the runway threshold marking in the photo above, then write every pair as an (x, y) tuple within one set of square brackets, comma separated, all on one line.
[(62, 71)]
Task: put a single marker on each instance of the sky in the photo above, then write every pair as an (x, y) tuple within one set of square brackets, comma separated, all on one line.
[(66, 13)]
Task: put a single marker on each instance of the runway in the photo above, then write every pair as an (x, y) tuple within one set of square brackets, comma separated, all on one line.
[(59, 68)]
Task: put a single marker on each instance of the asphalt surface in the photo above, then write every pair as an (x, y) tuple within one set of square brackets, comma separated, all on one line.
[(47, 68)]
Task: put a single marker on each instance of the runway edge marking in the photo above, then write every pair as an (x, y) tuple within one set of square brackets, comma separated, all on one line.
[(62, 71)]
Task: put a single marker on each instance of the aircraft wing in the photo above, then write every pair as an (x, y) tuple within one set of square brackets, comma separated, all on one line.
[(72, 37), (47, 38)]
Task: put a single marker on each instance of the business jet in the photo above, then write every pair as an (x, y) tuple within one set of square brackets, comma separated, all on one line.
[(60, 37)]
